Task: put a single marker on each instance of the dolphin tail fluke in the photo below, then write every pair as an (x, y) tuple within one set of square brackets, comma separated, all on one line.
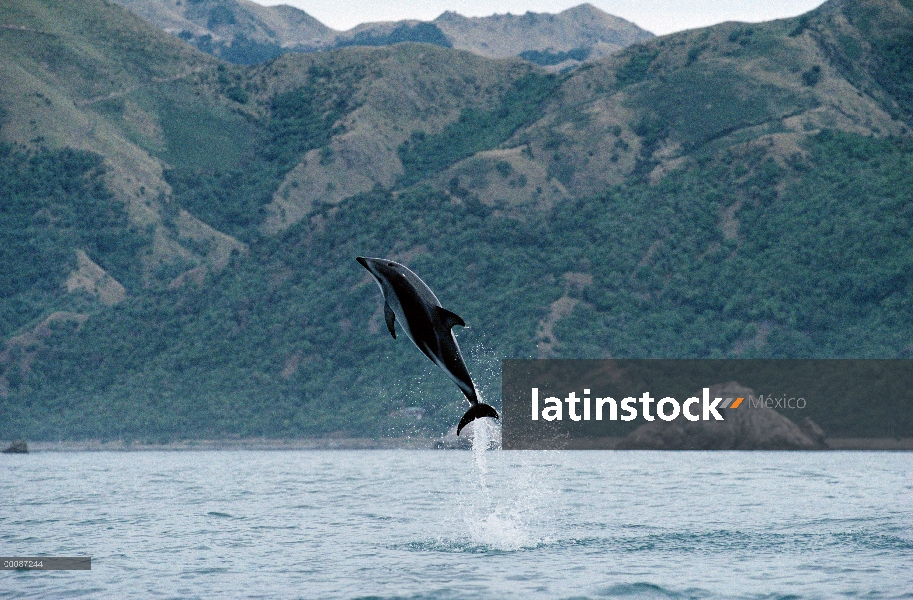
[(477, 411)]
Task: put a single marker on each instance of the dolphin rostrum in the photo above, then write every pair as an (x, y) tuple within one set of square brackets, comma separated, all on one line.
[(428, 324)]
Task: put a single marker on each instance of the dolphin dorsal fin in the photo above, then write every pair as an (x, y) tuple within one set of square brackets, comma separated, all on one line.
[(389, 317), (449, 319)]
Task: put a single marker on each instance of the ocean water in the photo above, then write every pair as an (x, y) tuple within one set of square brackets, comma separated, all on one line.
[(461, 524)]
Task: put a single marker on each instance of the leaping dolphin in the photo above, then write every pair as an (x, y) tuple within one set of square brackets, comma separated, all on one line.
[(428, 324)]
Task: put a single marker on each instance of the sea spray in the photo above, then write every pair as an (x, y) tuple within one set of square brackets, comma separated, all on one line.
[(506, 499), (481, 442), (507, 503)]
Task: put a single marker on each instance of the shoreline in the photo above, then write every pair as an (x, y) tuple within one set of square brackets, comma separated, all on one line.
[(407, 443), (231, 444)]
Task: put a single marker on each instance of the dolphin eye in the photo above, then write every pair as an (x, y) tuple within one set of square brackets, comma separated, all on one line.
[(391, 265)]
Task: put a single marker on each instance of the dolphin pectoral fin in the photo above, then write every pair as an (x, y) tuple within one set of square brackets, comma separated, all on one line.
[(449, 319), (389, 317), (476, 412)]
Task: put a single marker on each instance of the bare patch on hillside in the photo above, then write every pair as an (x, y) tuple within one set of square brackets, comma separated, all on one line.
[(546, 340), (95, 281), (503, 179), (757, 342), (782, 147), (578, 281), (219, 246), (412, 89), (352, 164), (144, 123), (212, 249), (291, 365), (587, 144), (648, 255), (729, 224)]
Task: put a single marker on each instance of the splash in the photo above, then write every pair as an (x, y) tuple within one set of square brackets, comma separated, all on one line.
[(505, 499), (486, 433), (501, 531), (490, 522), (503, 507), (483, 434)]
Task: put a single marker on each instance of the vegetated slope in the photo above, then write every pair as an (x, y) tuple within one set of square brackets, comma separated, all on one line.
[(290, 340), (65, 67), (609, 212), (646, 109), (246, 33), (139, 151)]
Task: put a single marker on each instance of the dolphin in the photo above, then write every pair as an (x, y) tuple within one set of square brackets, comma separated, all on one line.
[(428, 324)]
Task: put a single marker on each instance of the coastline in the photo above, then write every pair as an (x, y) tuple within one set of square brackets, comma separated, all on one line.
[(405, 443), (94, 445)]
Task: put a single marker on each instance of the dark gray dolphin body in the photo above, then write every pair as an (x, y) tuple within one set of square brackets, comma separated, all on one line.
[(428, 324)]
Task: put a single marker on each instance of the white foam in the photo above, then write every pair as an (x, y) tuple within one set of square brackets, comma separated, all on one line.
[(500, 531), (507, 505)]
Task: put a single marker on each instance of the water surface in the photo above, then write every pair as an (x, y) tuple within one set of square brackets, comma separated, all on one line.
[(439, 524)]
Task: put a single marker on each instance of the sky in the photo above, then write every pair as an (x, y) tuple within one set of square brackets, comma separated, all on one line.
[(659, 16)]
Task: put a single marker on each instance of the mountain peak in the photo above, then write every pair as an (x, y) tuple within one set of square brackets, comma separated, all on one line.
[(584, 9), (243, 32), (580, 33)]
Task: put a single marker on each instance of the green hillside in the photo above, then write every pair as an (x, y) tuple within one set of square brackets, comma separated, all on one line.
[(738, 191)]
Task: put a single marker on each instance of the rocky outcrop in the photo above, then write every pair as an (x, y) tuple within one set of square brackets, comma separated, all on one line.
[(813, 431), (17, 447), (744, 428)]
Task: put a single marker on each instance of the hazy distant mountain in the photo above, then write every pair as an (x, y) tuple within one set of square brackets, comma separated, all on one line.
[(239, 31), (244, 32), (572, 36), (178, 234)]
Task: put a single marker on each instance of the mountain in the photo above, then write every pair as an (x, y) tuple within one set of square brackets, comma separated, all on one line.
[(553, 40), (66, 69), (568, 38), (767, 87), (179, 233), (243, 32), (238, 31)]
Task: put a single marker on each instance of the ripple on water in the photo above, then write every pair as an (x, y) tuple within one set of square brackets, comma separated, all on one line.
[(464, 546), (647, 591), (486, 524)]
